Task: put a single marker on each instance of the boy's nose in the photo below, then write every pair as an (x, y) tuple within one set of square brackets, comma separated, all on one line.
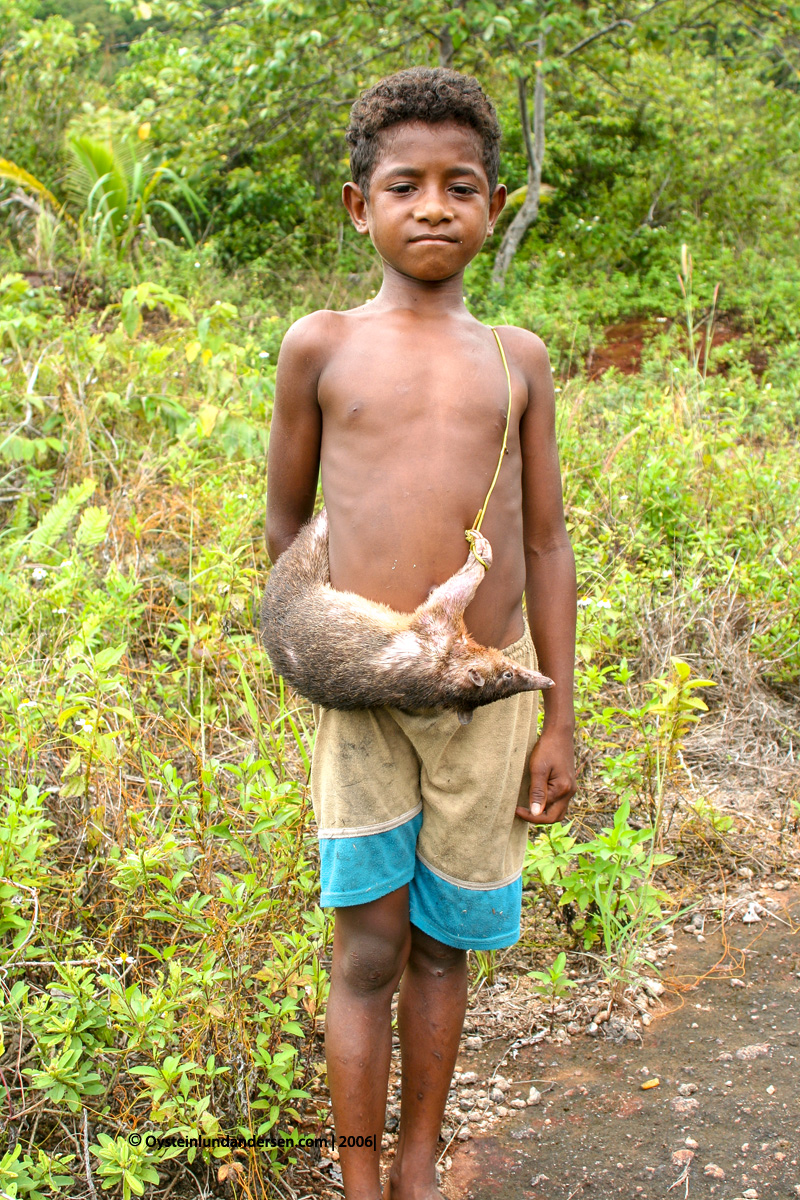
[(433, 209)]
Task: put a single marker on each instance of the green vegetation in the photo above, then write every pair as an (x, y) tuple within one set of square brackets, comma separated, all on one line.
[(168, 205)]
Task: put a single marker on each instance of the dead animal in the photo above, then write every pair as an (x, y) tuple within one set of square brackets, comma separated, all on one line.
[(343, 651)]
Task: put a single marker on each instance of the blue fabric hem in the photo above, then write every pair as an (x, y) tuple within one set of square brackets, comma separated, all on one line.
[(464, 917), (501, 942), (346, 899), (355, 870)]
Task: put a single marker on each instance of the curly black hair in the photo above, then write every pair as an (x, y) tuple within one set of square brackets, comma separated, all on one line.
[(430, 94)]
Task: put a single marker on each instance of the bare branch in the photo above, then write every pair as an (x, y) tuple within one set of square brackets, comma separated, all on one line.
[(593, 37)]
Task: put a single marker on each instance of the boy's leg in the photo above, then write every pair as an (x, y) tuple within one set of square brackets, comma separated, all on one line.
[(371, 944), (433, 1000)]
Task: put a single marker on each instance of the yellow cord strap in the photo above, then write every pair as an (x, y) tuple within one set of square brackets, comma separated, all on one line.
[(470, 533)]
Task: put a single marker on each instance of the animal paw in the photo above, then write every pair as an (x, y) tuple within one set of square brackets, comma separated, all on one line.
[(480, 547)]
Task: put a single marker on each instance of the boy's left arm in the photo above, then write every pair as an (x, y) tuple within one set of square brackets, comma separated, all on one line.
[(550, 589)]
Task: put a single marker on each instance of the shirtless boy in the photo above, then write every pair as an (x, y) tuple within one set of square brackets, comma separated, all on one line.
[(402, 403)]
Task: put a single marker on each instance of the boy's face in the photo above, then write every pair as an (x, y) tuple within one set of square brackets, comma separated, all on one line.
[(429, 209)]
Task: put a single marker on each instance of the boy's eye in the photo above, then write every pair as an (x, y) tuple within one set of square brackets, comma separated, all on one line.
[(401, 189), (463, 189)]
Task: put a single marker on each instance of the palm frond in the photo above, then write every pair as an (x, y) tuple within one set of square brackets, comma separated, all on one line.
[(29, 183), (98, 166)]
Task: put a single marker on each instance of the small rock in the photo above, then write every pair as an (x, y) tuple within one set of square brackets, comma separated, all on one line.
[(713, 1171), (534, 1096), (474, 1043), (392, 1123), (464, 1134), (593, 1029), (466, 1103), (654, 986), (467, 1078), (646, 1019), (751, 916), (700, 937), (681, 1157), (758, 1050), (737, 983), (500, 1082), (780, 885), (649, 1083), (448, 1163), (687, 1089), (683, 1105), (770, 1090), (501, 1111), (724, 1057), (537, 1179), (750, 1194), (496, 1096), (574, 1028), (518, 1104), (691, 1143), (745, 872)]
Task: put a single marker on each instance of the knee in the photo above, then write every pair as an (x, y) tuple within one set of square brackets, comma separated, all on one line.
[(369, 963), (434, 957)]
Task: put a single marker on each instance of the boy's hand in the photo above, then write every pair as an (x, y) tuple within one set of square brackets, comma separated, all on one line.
[(552, 778)]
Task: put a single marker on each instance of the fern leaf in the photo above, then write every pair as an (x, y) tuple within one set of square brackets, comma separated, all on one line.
[(92, 528), (56, 520)]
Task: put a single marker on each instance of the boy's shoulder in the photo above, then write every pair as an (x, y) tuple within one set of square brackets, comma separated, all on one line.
[(314, 337), (522, 341), (316, 334), (526, 351)]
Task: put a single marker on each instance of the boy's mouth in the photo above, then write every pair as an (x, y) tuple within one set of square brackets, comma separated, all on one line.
[(434, 237)]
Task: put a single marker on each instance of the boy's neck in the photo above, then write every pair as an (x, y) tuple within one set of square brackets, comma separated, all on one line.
[(426, 298)]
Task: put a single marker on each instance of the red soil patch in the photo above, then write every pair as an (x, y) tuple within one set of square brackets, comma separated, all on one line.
[(622, 346)]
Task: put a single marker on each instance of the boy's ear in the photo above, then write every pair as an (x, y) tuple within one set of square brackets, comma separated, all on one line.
[(496, 205), (354, 201)]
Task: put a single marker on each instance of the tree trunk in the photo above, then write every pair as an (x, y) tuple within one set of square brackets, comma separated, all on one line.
[(446, 48), (534, 148), (445, 39)]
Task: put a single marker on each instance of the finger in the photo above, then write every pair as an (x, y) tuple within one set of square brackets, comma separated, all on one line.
[(537, 792), (554, 808), (554, 811), (528, 816)]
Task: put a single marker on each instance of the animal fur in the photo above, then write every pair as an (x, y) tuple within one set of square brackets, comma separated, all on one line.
[(343, 651)]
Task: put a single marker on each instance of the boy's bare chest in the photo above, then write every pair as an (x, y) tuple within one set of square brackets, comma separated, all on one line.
[(416, 389)]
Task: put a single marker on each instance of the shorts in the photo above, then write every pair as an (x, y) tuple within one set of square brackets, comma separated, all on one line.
[(420, 799)]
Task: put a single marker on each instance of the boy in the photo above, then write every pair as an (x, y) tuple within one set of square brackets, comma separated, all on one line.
[(403, 403)]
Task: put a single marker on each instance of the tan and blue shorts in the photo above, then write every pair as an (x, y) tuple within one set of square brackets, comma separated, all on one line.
[(419, 799)]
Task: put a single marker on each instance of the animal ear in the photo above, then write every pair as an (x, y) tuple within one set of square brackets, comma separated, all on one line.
[(476, 677)]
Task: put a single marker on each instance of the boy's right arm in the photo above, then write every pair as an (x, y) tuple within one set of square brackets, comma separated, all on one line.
[(295, 433)]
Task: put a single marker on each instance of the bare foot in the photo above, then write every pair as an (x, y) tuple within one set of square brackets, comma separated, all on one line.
[(400, 1187)]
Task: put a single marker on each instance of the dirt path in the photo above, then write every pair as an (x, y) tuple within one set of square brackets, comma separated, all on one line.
[(724, 1120)]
